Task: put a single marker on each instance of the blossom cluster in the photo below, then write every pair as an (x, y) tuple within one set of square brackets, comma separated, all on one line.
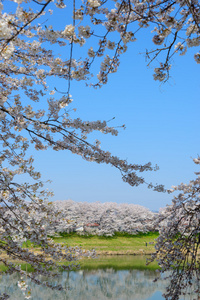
[(178, 245), (108, 217), (34, 113)]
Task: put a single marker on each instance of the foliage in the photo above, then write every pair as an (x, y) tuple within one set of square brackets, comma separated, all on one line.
[(34, 114)]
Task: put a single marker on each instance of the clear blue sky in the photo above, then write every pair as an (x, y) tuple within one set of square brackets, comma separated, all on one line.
[(162, 126)]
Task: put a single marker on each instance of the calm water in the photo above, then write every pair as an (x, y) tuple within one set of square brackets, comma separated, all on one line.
[(97, 284)]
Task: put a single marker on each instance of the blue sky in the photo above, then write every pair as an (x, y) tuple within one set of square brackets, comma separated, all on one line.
[(162, 126)]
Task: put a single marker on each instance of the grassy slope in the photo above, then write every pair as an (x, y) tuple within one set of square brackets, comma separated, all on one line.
[(130, 244), (119, 244)]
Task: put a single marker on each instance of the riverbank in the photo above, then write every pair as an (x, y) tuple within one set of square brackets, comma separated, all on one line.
[(140, 244), (126, 262), (108, 250)]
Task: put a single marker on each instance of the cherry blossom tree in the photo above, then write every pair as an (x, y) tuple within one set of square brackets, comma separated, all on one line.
[(33, 113), (177, 247), (111, 217)]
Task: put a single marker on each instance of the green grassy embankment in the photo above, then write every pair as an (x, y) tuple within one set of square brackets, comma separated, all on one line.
[(118, 244), (109, 249)]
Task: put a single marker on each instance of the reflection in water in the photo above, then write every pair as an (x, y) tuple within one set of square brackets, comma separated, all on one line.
[(92, 285)]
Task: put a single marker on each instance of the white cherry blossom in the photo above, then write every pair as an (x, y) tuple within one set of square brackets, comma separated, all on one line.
[(28, 62)]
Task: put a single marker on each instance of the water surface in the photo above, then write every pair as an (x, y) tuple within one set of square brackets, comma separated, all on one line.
[(97, 284)]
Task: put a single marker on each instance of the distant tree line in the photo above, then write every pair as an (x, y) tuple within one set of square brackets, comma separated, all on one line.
[(102, 218)]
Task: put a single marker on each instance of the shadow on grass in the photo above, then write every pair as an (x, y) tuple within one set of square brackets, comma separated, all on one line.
[(154, 234)]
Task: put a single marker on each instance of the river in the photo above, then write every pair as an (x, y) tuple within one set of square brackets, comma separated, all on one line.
[(98, 284)]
